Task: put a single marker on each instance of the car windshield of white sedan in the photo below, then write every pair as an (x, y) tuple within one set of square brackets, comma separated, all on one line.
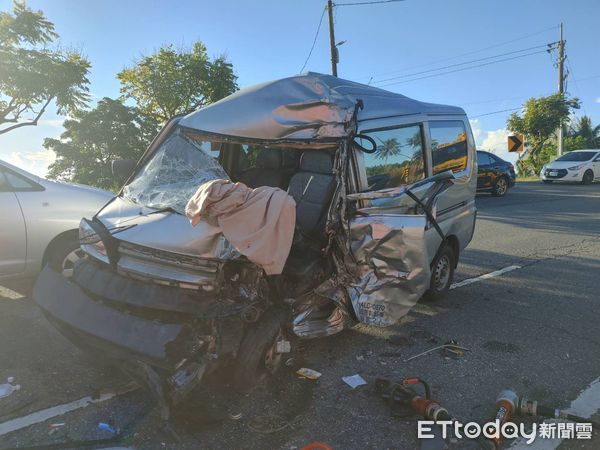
[(174, 172), (577, 156)]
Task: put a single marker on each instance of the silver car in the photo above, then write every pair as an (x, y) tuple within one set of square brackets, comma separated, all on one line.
[(384, 191), (39, 223)]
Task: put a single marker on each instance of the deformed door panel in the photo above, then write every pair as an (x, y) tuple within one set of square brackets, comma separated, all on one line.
[(388, 240)]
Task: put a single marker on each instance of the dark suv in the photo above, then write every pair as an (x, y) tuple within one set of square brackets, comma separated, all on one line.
[(494, 174)]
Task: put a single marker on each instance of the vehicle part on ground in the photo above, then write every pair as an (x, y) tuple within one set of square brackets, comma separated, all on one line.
[(8, 388), (442, 273), (588, 177), (257, 356), (500, 187), (448, 346)]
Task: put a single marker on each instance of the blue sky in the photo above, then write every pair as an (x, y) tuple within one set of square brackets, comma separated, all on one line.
[(269, 39)]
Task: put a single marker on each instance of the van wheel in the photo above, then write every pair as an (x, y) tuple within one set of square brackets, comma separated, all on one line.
[(257, 357), (500, 187), (588, 177), (442, 274), (64, 254)]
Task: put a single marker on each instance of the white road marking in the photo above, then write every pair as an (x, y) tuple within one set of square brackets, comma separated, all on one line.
[(9, 293), (45, 414), (585, 405), (485, 276)]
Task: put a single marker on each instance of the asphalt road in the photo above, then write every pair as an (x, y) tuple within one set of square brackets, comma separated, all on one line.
[(534, 329)]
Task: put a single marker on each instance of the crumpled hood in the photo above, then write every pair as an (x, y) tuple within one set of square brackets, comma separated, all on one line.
[(165, 231), (303, 107)]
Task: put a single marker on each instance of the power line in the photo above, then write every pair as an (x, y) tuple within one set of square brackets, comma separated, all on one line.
[(464, 68), (367, 3), (314, 40), (575, 81), (536, 33), (464, 63), (495, 112)]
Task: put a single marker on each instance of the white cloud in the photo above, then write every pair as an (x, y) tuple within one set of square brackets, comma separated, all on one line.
[(598, 100), (494, 141), (34, 162)]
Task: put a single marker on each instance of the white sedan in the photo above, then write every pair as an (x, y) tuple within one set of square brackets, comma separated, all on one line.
[(40, 221), (582, 166)]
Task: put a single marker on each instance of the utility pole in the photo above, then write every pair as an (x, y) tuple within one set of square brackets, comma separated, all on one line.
[(333, 48), (561, 83)]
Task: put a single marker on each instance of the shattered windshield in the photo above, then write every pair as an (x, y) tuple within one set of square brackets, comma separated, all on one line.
[(174, 173)]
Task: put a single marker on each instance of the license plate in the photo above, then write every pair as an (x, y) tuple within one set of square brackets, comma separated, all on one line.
[(553, 174)]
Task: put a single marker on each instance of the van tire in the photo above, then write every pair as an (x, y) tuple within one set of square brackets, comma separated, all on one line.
[(64, 253), (253, 363), (442, 273)]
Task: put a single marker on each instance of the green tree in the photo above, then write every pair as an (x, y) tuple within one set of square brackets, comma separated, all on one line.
[(390, 147), (584, 129), (92, 139), (539, 122), (172, 82), (32, 75)]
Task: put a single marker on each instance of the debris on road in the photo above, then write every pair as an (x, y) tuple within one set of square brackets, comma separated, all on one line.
[(106, 427), (8, 388), (309, 373), (354, 381), (453, 346)]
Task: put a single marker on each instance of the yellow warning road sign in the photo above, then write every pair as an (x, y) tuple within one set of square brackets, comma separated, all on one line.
[(515, 143)]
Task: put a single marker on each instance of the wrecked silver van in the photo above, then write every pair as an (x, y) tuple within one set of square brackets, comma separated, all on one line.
[(384, 191)]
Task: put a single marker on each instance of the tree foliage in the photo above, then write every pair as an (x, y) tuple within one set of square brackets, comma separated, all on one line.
[(31, 74), (172, 82), (92, 139), (541, 118), (584, 134)]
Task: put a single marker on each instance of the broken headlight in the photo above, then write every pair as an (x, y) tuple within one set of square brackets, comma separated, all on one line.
[(91, 242)]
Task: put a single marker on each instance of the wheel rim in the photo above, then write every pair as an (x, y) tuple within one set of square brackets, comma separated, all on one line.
[(442, 273), (68, 264), (501, 186), (587, 178)]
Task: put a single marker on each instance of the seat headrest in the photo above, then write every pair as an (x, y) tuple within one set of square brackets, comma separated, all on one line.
[(316, 161), (268, 159)]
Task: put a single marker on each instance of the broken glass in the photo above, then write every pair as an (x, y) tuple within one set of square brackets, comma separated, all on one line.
[(174, 173)]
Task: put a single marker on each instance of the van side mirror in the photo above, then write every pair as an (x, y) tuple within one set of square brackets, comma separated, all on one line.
[(122, 168)]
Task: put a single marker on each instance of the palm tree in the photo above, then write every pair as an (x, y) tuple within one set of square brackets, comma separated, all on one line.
[(583, 127), (390, 147)]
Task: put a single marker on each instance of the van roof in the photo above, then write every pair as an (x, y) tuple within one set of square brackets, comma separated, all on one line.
[(307, 107)]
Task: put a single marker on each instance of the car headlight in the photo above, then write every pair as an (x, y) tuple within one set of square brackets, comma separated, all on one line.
[(575, 167), (91, 242)]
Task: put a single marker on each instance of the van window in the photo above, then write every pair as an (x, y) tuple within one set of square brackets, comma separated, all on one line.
[(448, 145), (398, 160)]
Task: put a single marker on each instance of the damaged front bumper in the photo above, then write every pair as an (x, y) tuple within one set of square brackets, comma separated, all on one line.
[(160, 335)]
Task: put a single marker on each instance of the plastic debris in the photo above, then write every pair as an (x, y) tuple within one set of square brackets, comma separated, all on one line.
[(106, 427), (354, 381), (8, 388), (284, 346), (235, 416), (309, 373)]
